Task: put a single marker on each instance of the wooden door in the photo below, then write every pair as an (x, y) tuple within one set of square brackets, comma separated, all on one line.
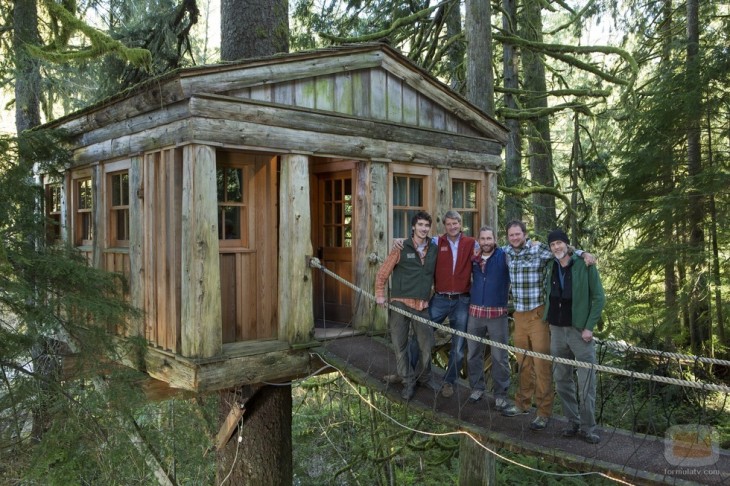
[(333, 242)]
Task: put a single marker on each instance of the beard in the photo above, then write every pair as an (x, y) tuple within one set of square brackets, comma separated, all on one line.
[(488, 249)]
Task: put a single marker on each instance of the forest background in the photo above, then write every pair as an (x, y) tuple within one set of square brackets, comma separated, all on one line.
[(619, 132)]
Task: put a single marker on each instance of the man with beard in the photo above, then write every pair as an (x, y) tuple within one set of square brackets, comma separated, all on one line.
[(412, 269), (527, 263), (488, 315), (573, 306)]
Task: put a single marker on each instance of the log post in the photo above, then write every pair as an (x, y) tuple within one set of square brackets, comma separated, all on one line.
[(136, 243), (442, 202), (491, 206), (371, 240), (201, 321), (296, 314), (476, 465)]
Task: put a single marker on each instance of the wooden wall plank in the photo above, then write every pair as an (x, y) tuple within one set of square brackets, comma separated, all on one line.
[(283, 93), (343, 93), (410, 105), (200, 291), (394, 99), (296, 321), (304, 93), (325, 93), (378, 94), (150, 221), (361, 93)]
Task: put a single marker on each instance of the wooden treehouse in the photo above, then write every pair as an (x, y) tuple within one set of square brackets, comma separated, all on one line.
[(211, 187)]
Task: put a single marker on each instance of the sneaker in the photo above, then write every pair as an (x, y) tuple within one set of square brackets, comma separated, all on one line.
[(513, 411), (590, 437), (408, 391), (447, 390), (476, 395), (501, 404), (570, 431), (393, 379), (539, 423)]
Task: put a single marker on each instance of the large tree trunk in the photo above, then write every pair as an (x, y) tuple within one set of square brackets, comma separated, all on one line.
[(513, 150), (699, 312), (455, 53), (540, 149), (27, 71), (479, 75), (254, 28), (260, 452)]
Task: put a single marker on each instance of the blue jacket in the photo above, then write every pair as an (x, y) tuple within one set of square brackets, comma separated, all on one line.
[(491, 287)]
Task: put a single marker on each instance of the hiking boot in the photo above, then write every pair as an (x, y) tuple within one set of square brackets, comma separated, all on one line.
[(513, 411), (501, 404), (408, 391), (476, 395), (393, 379), (590, 437), (570, 431), (539, 423), (447, 390)]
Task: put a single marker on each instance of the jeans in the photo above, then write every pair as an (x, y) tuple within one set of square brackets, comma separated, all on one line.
[(566, 342), (457, 310), (399, 329), (498, 330), (533, 334)]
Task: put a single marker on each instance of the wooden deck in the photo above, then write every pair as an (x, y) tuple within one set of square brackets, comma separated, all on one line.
[(635, 458)]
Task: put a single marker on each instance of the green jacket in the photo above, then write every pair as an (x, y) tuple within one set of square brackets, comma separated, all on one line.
[(588, 295)]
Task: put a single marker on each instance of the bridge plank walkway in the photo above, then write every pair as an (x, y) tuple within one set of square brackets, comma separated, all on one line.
[(636, 458)]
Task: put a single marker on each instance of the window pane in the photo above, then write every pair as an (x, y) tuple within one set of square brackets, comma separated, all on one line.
[(399, 229), (85, 194), (234, 185), (231, 227), (468, 221), (338, 190), (457, 194), (125, 189), (122, 225), (400, 188), (328, 190), (416, 192), (471, 195), (220, 180)]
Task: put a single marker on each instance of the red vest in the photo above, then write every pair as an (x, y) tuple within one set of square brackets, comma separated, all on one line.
[(457, 280)]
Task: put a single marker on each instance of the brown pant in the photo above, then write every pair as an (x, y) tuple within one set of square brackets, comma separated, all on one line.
[(532, 333)]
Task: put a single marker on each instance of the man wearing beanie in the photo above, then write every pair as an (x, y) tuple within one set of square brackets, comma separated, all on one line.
[(527, 263), (574, 301)]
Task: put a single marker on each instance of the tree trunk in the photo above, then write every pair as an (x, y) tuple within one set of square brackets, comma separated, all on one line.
[(699, 312), (513, 154), (538, 128), (479, 75), (27, 70), (476, 465), (260, 452), (253, 28), (455, 53)]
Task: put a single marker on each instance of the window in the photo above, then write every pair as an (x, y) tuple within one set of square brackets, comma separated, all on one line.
[(408, 199), (119, 209), (232, 205), (464, 197), (53, 212), (337, 208), (84, 218)]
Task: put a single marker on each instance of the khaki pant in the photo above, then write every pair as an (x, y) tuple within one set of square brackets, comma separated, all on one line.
[(535, 375)]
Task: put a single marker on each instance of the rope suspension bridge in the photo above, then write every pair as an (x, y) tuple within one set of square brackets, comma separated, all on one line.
[(632, 456)]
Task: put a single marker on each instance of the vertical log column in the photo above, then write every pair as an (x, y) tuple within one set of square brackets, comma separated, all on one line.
[(371, 240), (476, 465), (201, 334), (490, 210), (442, 202), (296, 315), (136, 243)]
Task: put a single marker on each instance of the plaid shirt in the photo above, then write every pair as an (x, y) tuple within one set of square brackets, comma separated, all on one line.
[(527, 273), (487, 312)]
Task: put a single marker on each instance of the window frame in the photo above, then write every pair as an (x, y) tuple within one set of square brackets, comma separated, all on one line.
[(247, 172), (409, 171), (113, 211), (54, 217), (78, 213)]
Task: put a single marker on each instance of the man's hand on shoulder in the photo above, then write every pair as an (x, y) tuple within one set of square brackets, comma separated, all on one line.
[(398, 244), (588, 258)]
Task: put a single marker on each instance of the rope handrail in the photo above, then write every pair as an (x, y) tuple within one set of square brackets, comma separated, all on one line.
[(315, 263)]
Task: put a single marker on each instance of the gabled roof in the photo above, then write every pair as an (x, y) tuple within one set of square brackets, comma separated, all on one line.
[(370, 81)]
